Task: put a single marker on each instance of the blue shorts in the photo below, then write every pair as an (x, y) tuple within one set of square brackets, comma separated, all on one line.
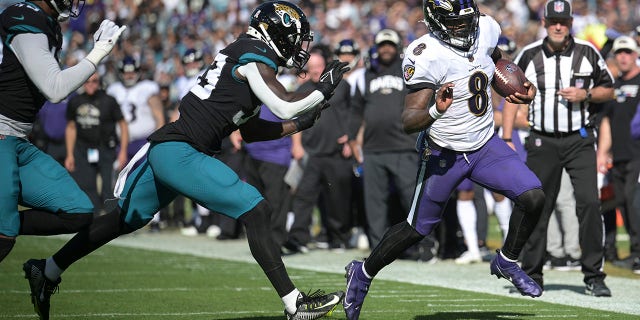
[(173, 168), (31, 178)]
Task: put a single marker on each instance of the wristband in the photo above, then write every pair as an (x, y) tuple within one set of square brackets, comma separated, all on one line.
[(507, 140), (434, 113)]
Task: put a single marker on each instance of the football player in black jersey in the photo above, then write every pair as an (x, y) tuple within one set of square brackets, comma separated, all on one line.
[(227, 97), (30, 74)]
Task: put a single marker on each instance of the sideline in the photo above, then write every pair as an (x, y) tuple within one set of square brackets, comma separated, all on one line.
[(561, 287)]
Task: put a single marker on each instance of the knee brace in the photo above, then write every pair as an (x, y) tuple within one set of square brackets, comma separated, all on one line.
[(524, 218), (531, 202)]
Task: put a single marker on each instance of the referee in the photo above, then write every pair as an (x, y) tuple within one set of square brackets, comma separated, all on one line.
[(570, 74)]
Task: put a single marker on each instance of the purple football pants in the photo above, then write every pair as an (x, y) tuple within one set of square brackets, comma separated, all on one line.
[(494, 166)]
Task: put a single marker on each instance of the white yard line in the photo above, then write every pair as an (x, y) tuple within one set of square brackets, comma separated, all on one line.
[(564, 288)]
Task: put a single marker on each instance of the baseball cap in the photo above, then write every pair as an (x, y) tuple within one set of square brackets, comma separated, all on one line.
[(558, 9), (387, 35), (347, 46), (507, 45), (624, 42)]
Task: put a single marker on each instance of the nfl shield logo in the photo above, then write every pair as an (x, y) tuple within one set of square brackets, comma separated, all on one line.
[(558, 6)]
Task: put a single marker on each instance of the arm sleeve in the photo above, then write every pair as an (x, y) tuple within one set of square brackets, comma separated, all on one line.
[(43, 69), (281, 108)]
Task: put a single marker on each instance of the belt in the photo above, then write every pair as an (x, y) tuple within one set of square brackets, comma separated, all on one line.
[(556, 134)]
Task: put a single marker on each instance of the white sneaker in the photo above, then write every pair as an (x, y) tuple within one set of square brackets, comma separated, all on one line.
[(469, 257), (190, 231), (213, 231)]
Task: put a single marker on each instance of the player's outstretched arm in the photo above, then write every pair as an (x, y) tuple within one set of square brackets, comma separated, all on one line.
[(285, 105)]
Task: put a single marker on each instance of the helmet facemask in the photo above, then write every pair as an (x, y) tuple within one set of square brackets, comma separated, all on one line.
[(66, 8), (285, 28), (451, 23)]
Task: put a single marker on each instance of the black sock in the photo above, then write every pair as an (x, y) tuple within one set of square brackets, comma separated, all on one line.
[(44, 223), (102, 230), (264, 249), (394, 242), (6, 245)]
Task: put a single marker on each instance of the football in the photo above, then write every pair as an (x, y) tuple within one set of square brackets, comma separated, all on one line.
[(508, 78)]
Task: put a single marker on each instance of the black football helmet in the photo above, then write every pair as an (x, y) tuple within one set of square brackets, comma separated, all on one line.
[(66, 8), (285, 28), (453, 21)]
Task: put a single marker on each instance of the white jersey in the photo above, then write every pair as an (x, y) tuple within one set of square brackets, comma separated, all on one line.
[(429, 63), (134, 103)]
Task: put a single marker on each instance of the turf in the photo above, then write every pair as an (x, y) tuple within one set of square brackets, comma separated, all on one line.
[(124, 283)]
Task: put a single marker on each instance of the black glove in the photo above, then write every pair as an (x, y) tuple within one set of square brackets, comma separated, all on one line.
[(331, 76), (309, 118)]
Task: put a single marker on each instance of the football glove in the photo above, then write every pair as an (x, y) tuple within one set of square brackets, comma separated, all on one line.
[(331, 76), (104, 39)]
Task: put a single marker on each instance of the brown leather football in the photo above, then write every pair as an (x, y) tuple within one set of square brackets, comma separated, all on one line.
[(508, 78)]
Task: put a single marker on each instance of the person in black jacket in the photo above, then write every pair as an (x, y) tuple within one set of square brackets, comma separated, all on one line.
[(91, 140), (388, 153), (327, 169)]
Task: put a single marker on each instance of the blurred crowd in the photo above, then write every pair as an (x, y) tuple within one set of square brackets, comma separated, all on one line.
[(160, 31)]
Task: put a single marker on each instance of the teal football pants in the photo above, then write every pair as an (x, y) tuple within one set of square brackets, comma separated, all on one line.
[(33, 179), (173, 168)]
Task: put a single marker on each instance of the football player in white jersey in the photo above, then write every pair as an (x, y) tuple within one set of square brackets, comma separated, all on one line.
[(193, 63), (448, 72), (140, 104)]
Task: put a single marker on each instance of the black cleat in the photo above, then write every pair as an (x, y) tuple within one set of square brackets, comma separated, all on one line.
[(315, 305), (597, 288), (41, 287)]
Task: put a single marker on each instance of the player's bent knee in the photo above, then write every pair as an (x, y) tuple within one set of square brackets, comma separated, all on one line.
[(260, 213), (531, 200), (108, 226)]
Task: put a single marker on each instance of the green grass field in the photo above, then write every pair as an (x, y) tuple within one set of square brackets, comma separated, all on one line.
[(123, 283)]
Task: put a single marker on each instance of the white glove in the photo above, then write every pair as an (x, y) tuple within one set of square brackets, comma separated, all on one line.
[(105, 39)]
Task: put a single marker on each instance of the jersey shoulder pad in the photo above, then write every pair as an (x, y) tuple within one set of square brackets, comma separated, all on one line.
[(422, 60), (25, 17), (247, 50), (490, 29)]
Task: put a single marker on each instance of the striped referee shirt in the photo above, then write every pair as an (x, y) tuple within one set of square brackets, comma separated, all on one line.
[(579, 65)]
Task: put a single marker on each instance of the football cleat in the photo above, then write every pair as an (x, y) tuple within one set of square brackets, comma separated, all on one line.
[(315, 305), (41, 287), (357, 288), (502, 268)]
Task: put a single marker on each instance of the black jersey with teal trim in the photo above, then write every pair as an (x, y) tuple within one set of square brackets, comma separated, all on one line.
[(219, 102), (20, 99)]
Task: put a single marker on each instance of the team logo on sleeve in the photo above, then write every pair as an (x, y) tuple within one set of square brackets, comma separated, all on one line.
[(419, 48), (408, 71)]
